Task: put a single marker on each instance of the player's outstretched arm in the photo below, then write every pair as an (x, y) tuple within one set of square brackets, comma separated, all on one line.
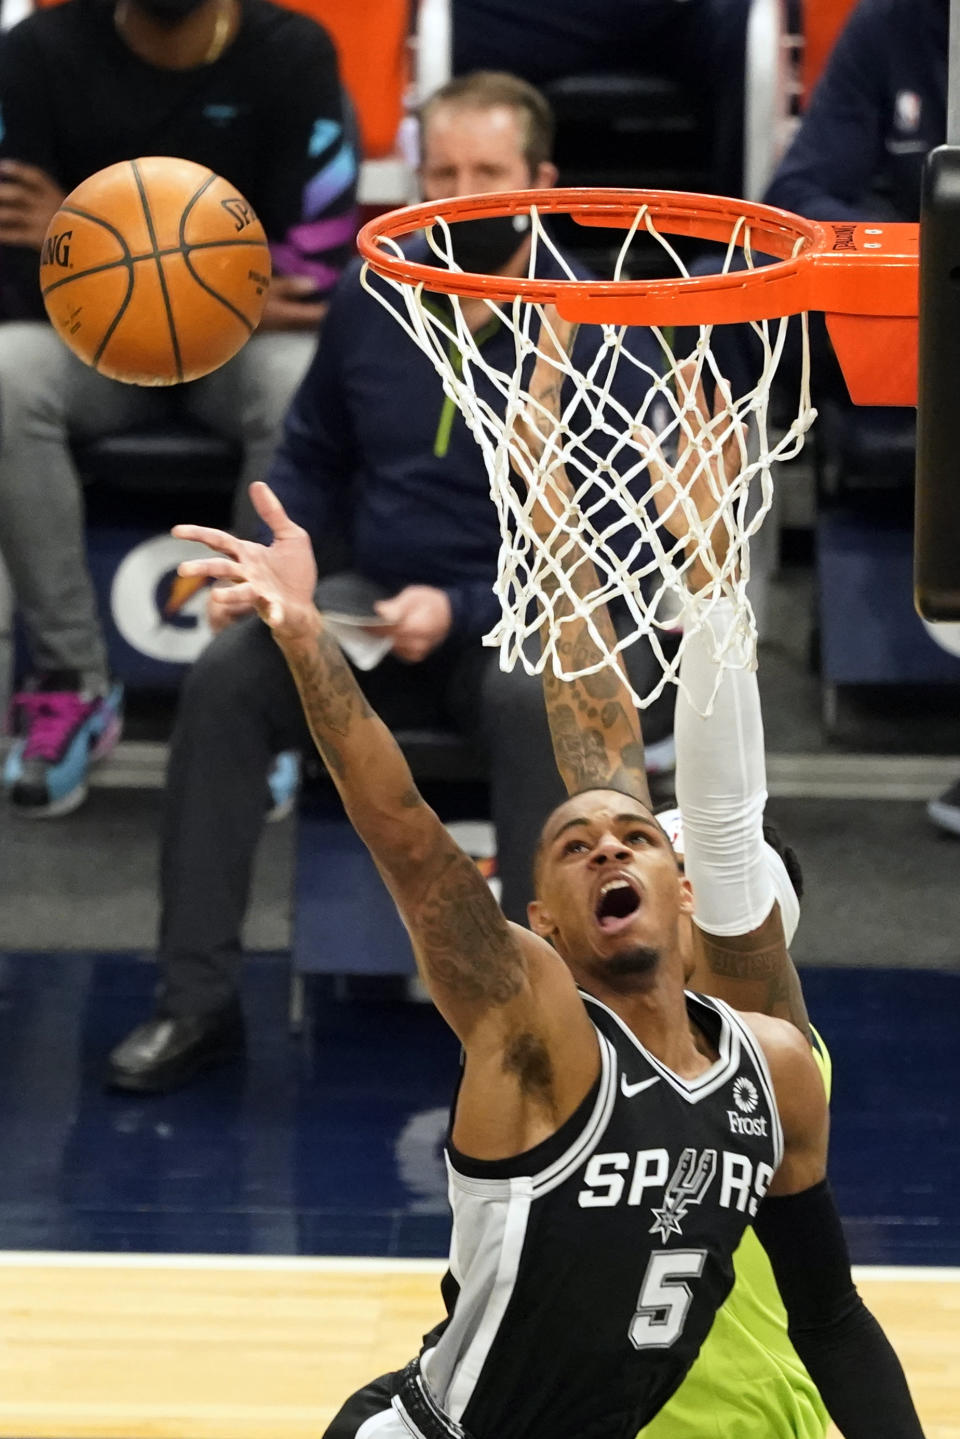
[(594, 726), (488, 978), (847, 1354), (426, 871)]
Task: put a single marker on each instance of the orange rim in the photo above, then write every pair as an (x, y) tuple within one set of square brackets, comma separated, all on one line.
[(842, 268)]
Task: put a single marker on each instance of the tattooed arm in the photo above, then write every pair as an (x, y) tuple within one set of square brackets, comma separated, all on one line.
[(504, 991), (594, 725), (595, 728), (752, 971)]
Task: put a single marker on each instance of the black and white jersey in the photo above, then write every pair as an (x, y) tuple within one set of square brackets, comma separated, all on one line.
[(585, 1273)]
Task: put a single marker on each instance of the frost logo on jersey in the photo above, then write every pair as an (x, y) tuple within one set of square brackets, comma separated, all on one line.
[(745, 1097), (688, 1184)]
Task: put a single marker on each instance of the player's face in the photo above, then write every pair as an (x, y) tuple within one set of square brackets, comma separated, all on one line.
[(609, 890), (471, 151)]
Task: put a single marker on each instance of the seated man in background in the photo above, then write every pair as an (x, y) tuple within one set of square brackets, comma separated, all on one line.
[(250, 90), (372, 443)]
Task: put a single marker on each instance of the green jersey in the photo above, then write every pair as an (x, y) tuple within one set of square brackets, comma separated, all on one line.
[(747, 1381)]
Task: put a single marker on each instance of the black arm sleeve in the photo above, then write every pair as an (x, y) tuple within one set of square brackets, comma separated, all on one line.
[(848, 1355)]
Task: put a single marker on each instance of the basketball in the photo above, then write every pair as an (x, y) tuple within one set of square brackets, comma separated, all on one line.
[(155, 271)]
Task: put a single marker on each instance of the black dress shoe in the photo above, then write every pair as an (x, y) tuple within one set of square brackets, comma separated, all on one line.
[(164, 1053)]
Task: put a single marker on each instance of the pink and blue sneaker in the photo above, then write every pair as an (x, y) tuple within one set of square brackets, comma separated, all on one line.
[(59, 732)]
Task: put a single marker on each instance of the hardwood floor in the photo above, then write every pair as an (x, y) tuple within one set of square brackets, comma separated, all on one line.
[(130, 1347)]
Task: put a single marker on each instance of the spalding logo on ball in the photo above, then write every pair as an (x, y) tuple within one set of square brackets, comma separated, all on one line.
[(155, 271)]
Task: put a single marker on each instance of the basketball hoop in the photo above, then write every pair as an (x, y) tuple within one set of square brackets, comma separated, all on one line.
[(593, 456)]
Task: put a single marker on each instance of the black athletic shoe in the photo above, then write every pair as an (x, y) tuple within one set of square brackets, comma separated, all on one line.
[(945, 811), (164, 1053)]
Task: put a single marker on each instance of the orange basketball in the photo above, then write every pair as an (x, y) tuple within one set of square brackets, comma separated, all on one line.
[(155, 271)]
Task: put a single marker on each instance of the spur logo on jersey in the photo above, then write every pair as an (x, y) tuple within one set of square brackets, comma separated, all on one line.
[(689, 1182), (671, 1191)]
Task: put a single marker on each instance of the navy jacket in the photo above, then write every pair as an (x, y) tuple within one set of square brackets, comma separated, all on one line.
[(371, 444), (877, 110)]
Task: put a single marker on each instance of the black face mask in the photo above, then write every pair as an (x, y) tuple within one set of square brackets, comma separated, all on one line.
[(484, 246), (168, 12)]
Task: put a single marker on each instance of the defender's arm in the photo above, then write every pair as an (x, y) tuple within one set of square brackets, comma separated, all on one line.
[(742, 952), (847, 1354), (597, 739)]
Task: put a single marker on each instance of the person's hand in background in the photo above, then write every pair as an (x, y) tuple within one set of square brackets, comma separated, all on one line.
[(420, 616), (29, 199), (289, 306)]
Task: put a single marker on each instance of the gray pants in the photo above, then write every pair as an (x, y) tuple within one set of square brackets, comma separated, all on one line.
[(47, 397)]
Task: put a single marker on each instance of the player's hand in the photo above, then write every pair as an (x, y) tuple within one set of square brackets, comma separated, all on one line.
[(219, 617), (420, 617), (690, 495), (277, 580), (29, 199), (289, 306)]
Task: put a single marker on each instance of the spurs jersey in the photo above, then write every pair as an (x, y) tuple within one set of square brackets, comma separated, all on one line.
[(585, 1274)]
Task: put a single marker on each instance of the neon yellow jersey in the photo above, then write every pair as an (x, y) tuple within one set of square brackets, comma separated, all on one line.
[(747, 1381)]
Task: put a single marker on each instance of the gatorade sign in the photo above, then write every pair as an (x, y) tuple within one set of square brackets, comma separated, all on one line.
[(155, 611)]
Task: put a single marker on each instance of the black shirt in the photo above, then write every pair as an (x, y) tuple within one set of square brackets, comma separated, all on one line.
[(268, 115)]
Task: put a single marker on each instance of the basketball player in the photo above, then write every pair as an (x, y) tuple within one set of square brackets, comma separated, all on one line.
[(611, 1137), (747, 1378)]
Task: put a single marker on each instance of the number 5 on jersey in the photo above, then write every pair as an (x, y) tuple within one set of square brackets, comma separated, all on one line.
[(665, 1298)]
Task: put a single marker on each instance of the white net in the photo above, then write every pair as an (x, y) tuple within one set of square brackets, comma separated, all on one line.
[(616, 487)]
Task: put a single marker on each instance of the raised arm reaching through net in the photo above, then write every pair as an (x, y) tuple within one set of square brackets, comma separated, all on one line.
[(503, 990), (744, 899)]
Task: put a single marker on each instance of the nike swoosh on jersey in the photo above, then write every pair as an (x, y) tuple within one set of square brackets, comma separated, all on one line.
[(629, 1090)]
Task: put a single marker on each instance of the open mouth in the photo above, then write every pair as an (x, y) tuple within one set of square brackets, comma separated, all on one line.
[(617, 903)]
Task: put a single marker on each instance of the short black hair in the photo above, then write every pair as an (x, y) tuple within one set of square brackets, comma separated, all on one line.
[(788, 854)]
